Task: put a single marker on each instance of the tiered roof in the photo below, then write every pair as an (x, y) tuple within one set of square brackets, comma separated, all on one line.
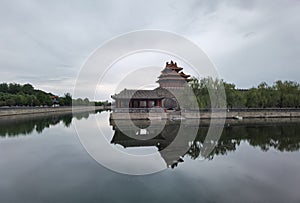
[(173, 73), (158, 93), (173, 66)]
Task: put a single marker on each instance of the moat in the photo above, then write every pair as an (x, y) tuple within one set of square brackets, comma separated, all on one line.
[(42, 159)]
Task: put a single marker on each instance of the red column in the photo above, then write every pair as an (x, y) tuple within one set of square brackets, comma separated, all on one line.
[(130, 104), (159, 103)]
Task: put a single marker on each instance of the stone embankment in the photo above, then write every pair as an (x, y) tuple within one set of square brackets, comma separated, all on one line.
[(12, 111), (216, 113)]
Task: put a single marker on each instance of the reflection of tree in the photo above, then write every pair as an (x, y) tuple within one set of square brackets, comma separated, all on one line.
[(82, 115), (67, 121), (195, 149), (282, 137), (14, 126)]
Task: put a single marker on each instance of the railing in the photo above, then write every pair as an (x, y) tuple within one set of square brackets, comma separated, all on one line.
[(242, 109), (137, 110)]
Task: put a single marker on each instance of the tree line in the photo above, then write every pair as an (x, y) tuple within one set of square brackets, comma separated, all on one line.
[(14, 94), (282, 94)]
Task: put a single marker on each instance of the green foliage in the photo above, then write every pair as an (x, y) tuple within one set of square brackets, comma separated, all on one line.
[(68, 99), (28, 89), (4, 88), (23, 95), (209, 92), (282, 94), (102, 103), (87, 102)]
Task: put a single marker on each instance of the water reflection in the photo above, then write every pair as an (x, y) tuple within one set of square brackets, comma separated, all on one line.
[(26, 124), (131, 138), (264, 134)]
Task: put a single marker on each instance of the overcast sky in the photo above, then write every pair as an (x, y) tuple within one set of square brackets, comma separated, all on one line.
[(46, 42)]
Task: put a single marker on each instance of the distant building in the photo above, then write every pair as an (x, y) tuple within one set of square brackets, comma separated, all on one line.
[(54, 99), (171, 78)]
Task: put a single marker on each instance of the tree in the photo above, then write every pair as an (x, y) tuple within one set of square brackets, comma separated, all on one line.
[(68, 99), (61, 101), (14, 88), (288, 93), (79, 101), (10, 102), (4, 87), (27, 89), (86, 101)]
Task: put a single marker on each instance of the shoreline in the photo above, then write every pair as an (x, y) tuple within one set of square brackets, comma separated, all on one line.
[(15, 111), (238, 114)]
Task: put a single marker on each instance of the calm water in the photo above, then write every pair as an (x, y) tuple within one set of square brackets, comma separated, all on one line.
[(42, 160)]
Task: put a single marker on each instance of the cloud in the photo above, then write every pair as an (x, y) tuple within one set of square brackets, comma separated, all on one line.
[(249, 41)]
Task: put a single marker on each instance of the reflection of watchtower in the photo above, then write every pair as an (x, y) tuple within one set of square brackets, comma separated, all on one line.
[(172, 156), (172, 78)]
